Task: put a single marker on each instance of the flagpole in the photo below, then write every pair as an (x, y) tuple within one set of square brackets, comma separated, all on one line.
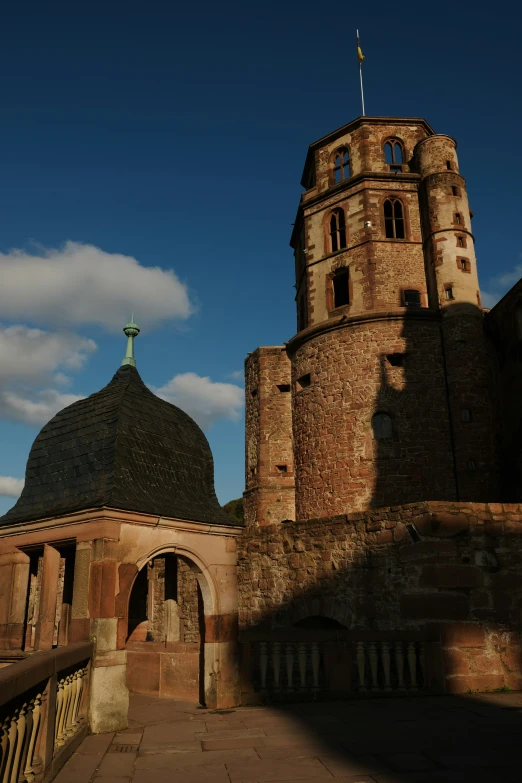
[(360, 77)]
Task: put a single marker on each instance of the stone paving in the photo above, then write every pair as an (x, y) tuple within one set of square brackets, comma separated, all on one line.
[(455, 739)]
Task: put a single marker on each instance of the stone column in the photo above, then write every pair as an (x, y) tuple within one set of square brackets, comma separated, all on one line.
[(80, 623), (48, 595), (109, 703), (14, 581), (222, 685)]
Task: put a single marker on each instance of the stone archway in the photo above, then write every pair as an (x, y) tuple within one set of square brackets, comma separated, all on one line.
[(169, 653)]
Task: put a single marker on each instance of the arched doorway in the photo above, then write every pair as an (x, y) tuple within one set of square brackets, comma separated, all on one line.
[(166, 628)]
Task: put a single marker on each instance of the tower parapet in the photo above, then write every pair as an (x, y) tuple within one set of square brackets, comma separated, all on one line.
[(449, 245)]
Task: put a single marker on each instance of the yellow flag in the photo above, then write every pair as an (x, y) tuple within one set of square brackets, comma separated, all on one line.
[(360, 55)]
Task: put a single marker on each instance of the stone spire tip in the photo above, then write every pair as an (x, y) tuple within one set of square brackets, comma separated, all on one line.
[(132, 330)]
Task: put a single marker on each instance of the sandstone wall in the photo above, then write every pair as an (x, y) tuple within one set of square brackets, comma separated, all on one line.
[(456, 572), (269, 481), (340, 466)]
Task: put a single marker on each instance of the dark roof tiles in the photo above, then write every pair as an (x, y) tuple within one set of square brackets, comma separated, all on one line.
[(124, 448)]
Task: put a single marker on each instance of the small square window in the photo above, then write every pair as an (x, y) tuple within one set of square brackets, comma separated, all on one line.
[(283, 387), (253, 393), (252, 471), (465, 414), (412, 298), (282, 468), (304, 381), (448, 292)]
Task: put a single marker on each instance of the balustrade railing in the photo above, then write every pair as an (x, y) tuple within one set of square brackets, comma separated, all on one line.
[(43, 712), (337, 666)]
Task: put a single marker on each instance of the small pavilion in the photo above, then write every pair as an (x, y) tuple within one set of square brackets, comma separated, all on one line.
[(118, 537)]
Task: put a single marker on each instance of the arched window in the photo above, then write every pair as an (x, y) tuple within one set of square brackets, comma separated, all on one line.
[(394, 218), (382, 427), (337, 230), (341, 165), (393, 154)]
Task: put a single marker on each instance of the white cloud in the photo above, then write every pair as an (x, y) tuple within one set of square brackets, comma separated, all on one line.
[(203, 399), (82, 284), (11, 487), (31, 359), (499, 285), (32, 354), (237, 375), (39, 410)]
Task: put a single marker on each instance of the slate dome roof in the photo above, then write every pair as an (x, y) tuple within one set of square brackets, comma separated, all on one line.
[(121, 448)]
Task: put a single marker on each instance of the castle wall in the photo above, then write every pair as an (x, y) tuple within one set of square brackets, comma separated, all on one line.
[(340, 466), (504, 326), (457, 572)]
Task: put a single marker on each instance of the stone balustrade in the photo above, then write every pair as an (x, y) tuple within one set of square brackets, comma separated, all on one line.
[(43, 712), (300, 667)]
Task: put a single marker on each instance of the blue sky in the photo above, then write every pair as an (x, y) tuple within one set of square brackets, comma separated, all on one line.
[(150, 162)]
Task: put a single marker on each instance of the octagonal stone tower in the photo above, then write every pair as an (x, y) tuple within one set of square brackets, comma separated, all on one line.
[(389, 372)]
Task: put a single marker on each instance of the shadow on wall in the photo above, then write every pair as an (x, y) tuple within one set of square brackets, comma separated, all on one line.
[(436, 423), (405, 602), (356, 609)]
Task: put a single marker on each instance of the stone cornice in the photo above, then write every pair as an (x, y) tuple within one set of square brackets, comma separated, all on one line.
[(112, 518), (343, 321)]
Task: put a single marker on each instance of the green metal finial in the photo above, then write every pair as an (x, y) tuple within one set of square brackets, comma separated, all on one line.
[(132, 330)]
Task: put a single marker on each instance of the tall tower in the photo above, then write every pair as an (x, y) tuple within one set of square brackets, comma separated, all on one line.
[(389, 375), (453, 286), (381, 412)]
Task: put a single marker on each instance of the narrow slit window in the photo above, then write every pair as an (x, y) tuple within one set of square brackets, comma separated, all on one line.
[(460, 242), (448, 292), (412, 298), (337, 230), (458, 218), (393, 155), (454, 190), (341, 166), (465, 265), (394, 218), (449, 165), (302, 313), (465, 414), (341, 290)]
